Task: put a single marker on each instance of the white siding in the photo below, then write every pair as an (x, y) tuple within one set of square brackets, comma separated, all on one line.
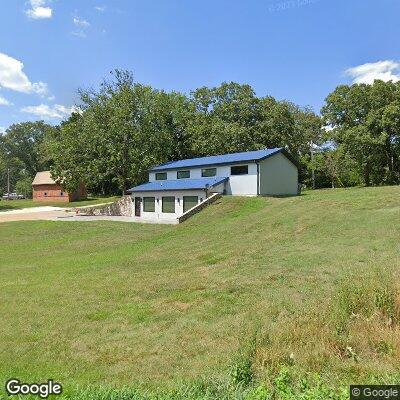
[(158, 215), (278, 176), (242, 185)]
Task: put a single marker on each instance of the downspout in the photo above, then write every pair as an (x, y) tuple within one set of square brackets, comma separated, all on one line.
[(258, 179)]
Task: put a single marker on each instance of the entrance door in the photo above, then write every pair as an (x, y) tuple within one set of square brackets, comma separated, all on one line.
[(137, 206), (189, 202)]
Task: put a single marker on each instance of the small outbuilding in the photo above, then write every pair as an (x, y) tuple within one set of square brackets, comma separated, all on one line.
[(45, 188)]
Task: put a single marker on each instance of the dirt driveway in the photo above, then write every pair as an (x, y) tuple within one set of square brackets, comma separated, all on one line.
[(33, 214)]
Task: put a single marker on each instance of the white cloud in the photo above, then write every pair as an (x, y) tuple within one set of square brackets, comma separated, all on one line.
[(4, 102), (39, 13), (39, 9), (82, 23), (12, 77), (47, 112), (2, 130), (100, 8), (367, 73)]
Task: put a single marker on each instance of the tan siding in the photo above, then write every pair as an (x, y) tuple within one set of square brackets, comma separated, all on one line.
[(278, 176)]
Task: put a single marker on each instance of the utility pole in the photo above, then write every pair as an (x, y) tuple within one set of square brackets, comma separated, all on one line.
[(8, 181), (312, 166)]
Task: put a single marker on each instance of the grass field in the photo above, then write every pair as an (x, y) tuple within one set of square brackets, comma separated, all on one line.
[(6, 205), (265, 293)]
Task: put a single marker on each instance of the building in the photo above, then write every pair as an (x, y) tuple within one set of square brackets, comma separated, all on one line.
[(44, 188), (176, 187)]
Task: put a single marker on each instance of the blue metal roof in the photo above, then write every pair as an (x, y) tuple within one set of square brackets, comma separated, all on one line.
[(221, 159), (179, 184)]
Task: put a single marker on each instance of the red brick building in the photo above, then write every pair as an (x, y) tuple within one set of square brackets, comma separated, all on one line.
[(46, 189)]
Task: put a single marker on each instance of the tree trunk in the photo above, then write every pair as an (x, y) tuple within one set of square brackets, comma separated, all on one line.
[(367, 171), (124, 188)]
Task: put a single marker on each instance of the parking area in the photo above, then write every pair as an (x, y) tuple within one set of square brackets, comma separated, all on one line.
[(34, 213)]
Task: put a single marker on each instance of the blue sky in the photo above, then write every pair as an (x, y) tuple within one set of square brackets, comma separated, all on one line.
[(297, 50)]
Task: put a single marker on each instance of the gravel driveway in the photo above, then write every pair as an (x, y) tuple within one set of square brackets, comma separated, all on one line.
[(33, 214)]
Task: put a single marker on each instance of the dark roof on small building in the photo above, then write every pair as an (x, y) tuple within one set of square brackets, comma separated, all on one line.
[(232, 158), (179, 184)]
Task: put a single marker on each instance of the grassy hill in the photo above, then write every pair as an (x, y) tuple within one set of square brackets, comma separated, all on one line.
[(261, 292)]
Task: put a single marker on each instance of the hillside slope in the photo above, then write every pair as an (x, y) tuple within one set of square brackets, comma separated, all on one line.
[(112, 303)]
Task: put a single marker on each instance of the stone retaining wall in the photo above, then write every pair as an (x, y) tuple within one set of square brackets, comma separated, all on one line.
[(122, 207)]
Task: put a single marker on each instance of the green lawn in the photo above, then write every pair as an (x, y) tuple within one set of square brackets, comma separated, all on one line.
[(7, 205), (312, 278)]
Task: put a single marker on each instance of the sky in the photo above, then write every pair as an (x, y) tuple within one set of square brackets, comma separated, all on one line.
[(297, 50)]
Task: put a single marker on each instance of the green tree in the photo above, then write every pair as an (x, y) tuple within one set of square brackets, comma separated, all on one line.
[(365, 119), (24, 186), (24, 142), (232, 118), (225, 119), (124, 129)]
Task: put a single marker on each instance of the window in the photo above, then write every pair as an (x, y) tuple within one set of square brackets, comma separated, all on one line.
[(183, 174), (161, 176), (240, 170), (45, 193), (168, 204), (149, 204), (62, 193), (189, 202), (208, 172)]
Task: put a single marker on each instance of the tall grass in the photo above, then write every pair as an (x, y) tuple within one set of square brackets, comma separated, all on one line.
[(282, 389), (356, 334)]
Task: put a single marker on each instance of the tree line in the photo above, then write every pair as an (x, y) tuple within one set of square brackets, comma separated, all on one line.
[(123, 128)]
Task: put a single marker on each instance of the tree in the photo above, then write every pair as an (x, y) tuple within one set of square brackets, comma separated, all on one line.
[(24, 141), (225, 119), (232, 118), (124, 129), (24, 187), (365, 119)]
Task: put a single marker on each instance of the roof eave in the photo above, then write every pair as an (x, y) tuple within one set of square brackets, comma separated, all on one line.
[(222, 180), (162, 190)]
